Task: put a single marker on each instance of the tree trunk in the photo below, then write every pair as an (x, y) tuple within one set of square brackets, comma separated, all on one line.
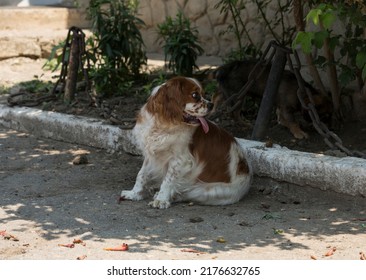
[(332, 75), (73, 69), (300, 26)]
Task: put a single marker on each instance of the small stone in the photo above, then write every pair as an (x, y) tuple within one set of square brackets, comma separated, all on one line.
[(244, 224), (80, 159), (265, 205), (196, 220), (269, 143)]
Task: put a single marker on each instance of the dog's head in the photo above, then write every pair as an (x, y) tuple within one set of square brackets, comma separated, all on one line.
[(180, 100)]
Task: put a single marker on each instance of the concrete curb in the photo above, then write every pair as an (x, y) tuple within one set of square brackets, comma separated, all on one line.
[(344, 175), (68, 128)]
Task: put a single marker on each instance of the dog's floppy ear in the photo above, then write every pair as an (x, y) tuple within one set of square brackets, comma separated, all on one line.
[(166, 102)]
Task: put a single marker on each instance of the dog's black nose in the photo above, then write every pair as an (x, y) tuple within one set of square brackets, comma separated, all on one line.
[(210, 106)]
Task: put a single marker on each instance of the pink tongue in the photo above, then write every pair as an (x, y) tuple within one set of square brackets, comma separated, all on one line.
[(204, 124)]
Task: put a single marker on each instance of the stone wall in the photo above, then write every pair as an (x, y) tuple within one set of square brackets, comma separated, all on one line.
[(204, 16)]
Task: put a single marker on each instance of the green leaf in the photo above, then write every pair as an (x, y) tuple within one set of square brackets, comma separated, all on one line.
[(346, 76), (278, 231), (321, 61), (333, 43), (364, 73), (270, 216), (319, 38), (327, 19), (304, 39), (313, 15), (361, 59)]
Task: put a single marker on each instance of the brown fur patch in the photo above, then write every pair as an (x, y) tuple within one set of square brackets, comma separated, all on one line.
[(243, 167), (168, 103), (139, 118), (165, 105), (212, 149)]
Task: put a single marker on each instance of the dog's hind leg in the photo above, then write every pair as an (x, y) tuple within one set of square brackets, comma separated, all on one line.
[(286, 119)]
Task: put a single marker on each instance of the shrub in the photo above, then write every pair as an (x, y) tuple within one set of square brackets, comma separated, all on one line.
[(181, 44), (118, 51)]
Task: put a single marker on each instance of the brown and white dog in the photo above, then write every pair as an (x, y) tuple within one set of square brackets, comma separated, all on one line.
[(194, 159)]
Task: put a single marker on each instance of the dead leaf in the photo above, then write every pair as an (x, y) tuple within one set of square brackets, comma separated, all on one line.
[(83, 257), (362, 256), (67, 245), (313, 257), (269, 143), (189, 250), (79, 241), (8, 236), (330, 252), (221, 240), (123, 247), (277, 231)]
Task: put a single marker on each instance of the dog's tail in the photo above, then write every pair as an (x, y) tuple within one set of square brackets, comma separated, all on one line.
[(219, 193)]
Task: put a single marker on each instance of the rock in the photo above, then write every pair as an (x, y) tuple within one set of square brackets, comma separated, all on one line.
[(196, 220), (15, 47), (80, 159)]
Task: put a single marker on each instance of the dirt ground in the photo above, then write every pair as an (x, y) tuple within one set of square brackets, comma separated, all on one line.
[(47, 201)]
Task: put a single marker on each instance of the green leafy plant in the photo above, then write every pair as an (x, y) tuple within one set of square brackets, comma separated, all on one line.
[(210, 87), (147, 88), (350, 64), (117, 48), (36, 86), (4, 89), (180, 44), (54, 61)]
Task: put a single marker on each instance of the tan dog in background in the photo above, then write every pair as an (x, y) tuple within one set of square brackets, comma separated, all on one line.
[(233, 76)]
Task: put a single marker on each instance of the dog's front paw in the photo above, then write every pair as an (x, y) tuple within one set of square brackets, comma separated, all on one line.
[(160, 204), (301, 135), (131, 195), (297, 132)]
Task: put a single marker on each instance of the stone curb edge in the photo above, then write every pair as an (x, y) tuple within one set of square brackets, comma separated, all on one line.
[(345, 175)]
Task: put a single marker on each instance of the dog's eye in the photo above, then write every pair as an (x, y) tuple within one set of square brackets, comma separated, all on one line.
[(196, 96)]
